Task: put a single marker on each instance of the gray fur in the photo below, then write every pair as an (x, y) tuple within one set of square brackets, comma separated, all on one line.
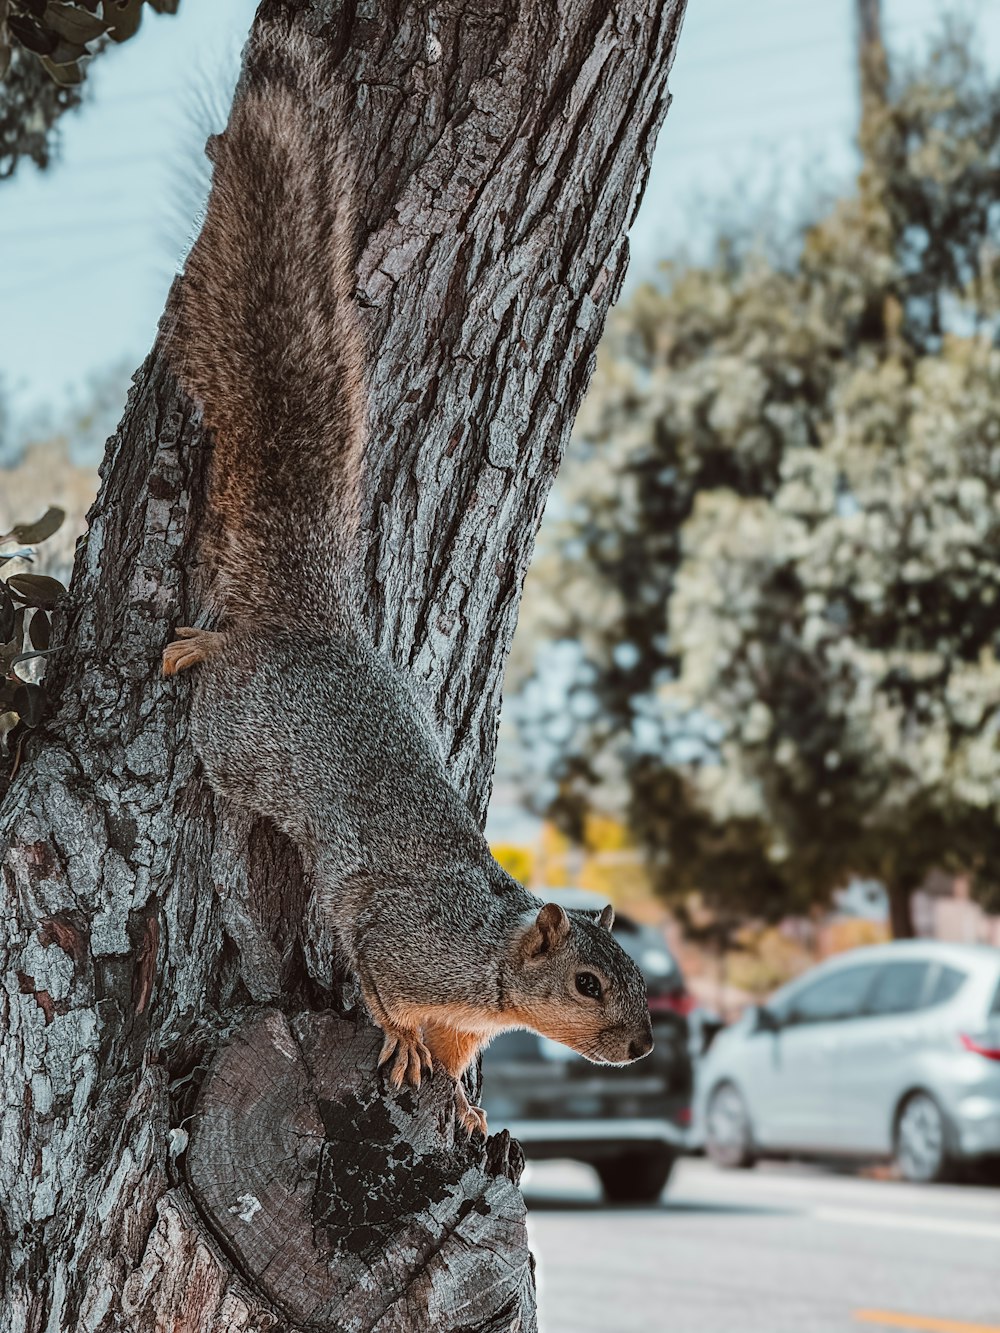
[(324, 737)]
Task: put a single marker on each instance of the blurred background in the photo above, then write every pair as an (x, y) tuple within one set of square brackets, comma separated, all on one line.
[(754, 697)]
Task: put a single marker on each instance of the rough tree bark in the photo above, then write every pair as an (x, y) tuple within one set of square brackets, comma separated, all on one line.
[(901, 909), (193, 1135)]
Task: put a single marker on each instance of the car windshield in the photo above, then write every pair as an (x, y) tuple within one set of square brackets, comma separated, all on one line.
[(647, 947)]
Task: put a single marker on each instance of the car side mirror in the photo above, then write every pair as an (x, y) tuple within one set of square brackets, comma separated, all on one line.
[(766, 1020)]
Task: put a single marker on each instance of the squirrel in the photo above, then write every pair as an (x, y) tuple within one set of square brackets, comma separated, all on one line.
[(295, 715)]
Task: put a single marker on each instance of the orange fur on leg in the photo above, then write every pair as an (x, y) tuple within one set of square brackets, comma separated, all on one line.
[(451, 1049), (454, 1051)]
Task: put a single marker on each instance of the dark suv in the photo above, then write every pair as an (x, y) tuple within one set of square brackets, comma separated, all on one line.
[(629, 1122)]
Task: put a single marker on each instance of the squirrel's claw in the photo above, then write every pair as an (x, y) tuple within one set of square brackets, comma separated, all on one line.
[(409, 1058), (189, 648), (473, 1118)]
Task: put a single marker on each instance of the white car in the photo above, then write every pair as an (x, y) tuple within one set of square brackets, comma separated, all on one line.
[(884, 1052)]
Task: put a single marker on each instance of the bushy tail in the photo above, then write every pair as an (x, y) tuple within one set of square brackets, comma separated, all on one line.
[(266, 338)]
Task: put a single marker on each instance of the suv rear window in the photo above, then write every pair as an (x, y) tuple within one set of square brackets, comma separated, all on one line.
[(899, 988), (995, 1006)]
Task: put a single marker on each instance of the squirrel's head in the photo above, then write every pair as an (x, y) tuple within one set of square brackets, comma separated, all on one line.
[(574, 982)]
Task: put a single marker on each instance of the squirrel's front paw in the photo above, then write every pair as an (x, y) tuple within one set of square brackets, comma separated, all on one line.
[(472, 1117), (191, 647), (408, 1055)]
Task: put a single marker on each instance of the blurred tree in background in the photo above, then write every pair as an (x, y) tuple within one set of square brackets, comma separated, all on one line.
[(779, 542)]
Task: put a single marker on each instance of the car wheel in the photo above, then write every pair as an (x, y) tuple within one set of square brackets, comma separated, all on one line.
[(728, 1135), (636, 1177), (921, 1150)]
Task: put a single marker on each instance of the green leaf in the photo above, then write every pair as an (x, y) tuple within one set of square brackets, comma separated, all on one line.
[(29, 702), (123, 19), (31, 34), (68, 53), (36, 589), (67, 76), (39, 630), (33, 533), (6, 615), (5, 53), (73, 24)]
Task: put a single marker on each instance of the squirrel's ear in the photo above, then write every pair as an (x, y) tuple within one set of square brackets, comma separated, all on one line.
[(606, 918), (548, 930)]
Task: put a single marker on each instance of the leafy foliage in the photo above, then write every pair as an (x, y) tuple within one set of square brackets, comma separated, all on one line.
[(26, 604), (784, 511), (45, 46)]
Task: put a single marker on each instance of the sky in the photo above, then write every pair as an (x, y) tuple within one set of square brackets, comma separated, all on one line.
[(764, 110)]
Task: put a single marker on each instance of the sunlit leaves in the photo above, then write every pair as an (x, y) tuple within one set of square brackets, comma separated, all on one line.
[(780, 550)]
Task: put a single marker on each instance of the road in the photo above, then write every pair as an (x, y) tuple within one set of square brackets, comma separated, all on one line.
[(780, 1249)]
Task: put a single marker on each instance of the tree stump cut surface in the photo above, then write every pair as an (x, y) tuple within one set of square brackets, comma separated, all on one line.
[(345, 1208)]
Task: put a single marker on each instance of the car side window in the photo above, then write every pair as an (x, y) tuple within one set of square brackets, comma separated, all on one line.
[(900, 988), (950, 981), (833, 998)]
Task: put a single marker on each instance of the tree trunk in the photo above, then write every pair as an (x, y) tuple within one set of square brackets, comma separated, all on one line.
[(901, 910), (193, 1134)]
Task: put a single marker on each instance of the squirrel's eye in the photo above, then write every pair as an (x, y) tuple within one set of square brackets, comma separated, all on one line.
[(587, 984)]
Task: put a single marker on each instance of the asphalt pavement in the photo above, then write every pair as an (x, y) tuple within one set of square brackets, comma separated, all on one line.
[(779, 1249)]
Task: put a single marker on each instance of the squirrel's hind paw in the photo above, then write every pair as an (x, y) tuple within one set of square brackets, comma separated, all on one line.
[(406, 1056), (472, 1117), (191, 647)]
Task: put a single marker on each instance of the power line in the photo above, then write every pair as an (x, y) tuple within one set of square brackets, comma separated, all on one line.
[(776, 104), (73, 274), (86, 226), (751, 136), (146, 95), (741, 57), (787, 103), (726, 20), (713, 62), (62, 167)]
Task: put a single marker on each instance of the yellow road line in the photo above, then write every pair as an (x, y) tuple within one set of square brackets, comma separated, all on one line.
[(892, 1319)]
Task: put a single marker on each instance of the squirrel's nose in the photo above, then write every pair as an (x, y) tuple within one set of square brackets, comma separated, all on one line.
[(639, 1046)]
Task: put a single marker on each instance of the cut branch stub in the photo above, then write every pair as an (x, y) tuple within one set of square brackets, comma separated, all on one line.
[(344, 1208)]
